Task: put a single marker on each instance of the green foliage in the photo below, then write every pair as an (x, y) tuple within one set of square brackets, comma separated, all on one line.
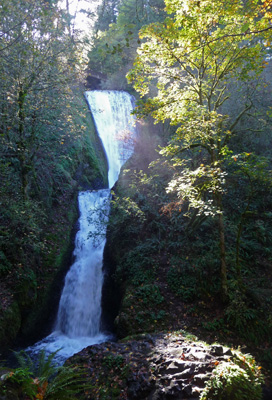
[(246, 315), (239, 314), (126, 209), (149, 294), (43, 143), (216, 325), (113, 361), (37, 63), (20, 378), (116, 36), (67, 384), (191, 59), (235, 380), (42, 366), (170, 247), (106, 14), (43, 379), (183, 284), (137, 266)]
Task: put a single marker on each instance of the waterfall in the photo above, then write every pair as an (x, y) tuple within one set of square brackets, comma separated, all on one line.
[(111, 112), (80, 304), (79, 313)]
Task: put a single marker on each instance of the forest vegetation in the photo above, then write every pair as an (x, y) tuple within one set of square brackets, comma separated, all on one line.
[(48, 151), (189, 242), (196, 195)]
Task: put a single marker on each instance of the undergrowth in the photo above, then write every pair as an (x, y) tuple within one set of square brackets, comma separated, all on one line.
[(162, 243), (42, 379), (237, 379)]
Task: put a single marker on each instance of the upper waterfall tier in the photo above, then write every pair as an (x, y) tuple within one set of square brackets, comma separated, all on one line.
[(115, 125)]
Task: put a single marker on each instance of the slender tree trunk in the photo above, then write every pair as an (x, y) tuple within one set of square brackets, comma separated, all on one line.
[(69, 21), (222, 245), (224, 282), (239, 232), (221, 231), (21, 144), (238, 240)]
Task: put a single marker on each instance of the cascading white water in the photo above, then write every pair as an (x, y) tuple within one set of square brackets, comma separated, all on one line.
[(78, 320), (115, 126), (80, 304)]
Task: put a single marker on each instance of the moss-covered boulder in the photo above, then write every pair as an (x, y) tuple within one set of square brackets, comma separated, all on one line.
[(10, 322)]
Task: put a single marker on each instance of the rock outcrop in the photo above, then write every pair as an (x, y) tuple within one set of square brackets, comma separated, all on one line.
[(150, 367)]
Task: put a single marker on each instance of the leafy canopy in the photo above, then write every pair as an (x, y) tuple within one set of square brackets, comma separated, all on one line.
[(190, 56), (186, 65)]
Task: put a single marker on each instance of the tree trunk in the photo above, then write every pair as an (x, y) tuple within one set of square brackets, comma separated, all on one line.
[(69, 20), (221, 231), (222, 245), (224, 282), (21, 145)]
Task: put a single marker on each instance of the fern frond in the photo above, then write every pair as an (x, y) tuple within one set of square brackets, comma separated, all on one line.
[(45, 365), (67, 384), (24, 360)]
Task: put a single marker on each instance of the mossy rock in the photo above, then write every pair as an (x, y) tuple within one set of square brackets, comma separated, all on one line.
[(10, 322), (27, 290), (39, 317)]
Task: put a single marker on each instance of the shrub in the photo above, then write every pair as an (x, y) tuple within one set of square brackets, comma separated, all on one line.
[(183, 284), (43, 379), (239, 379)]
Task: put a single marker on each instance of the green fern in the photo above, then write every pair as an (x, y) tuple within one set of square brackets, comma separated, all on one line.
[(67, 384), (43, 367), (55, 382)]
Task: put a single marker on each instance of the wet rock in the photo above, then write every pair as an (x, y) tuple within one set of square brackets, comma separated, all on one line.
[(201, 379), (199, 354), (217, 350), (175, 367), (187, 373), (152, 367), (227, 351), (134, 390), (187, 390)]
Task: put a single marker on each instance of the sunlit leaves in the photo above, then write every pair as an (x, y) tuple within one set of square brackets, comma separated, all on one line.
[(191, 184), (191, 59), (203, 44)]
